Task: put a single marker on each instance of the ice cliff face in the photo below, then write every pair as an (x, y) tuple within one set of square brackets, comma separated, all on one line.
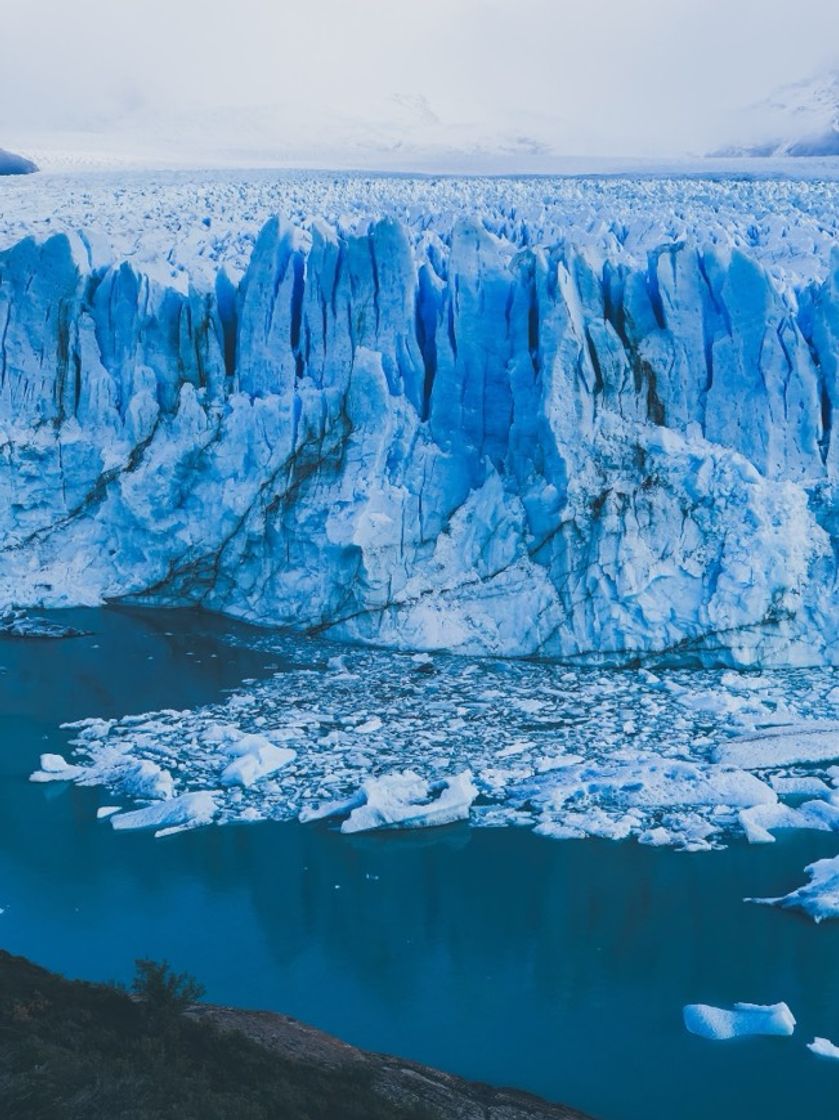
[(444, 441)]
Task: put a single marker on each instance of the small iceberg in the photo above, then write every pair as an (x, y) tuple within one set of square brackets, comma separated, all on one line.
[(18, 624), (56, 768), (740, 1021), (824, 1048), (408, 801), (809, 741), (190, 810), (254, 757), (819, 898)]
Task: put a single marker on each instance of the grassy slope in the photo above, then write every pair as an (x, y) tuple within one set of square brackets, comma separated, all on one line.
[(72, 1050)]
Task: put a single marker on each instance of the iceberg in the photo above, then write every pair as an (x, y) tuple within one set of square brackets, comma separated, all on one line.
[(188, 810), (17, 624), (741, 1020), (56, 768), (254, 757), (785, 745), (408, 801), (819, 898), (824, 1048)]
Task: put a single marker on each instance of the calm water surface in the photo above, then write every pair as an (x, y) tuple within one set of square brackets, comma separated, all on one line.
[(556, 967)]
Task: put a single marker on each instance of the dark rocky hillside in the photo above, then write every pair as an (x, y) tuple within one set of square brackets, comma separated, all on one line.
[(80, 1051)]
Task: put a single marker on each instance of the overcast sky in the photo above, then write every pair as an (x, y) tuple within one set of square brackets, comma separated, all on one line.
[(618, 76)]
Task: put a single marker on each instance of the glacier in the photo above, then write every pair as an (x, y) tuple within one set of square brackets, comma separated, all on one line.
[(434, 435)]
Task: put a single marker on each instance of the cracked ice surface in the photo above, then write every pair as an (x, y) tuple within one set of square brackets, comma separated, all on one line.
[(184, 226), (568, 752), (440, 432)]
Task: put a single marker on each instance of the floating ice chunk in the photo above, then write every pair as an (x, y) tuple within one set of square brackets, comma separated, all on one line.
[(187, 811), (408, 801), (17, 624), (654, 783), (328, 809), (254, 757), (743, 1019), (220, 733), (714, 702), (658, 837), (105, 811), (824, 1048), (746, 682), (369, 725), (821, 815), (813, 741), (55, 768), (819, 898), (799, 785), (145, 779), (757, 821)]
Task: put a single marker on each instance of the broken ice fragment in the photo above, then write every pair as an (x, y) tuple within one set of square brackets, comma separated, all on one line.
[(824, 1048), (408, 801), (819, 898), (741, 1020)]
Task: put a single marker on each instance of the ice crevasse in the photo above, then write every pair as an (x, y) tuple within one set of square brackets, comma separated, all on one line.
[(432, 441)]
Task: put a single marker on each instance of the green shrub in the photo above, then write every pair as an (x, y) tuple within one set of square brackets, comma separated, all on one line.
[(165, 993)]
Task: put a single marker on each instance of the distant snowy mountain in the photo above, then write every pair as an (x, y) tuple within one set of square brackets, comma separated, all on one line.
[(800, 119), (11, 164)]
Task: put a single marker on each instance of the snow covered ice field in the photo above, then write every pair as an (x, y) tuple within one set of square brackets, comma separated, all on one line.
[(182, 226)]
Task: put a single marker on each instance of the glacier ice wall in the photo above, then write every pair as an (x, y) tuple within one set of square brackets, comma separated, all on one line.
[(434, 440)]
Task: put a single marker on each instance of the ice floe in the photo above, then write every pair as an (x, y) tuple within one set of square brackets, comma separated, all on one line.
[(568, 752), (56, 768), (253, 757), (408, 801), (743, 1019), (19, 624), (819, 898), (784, 745), (189, 810), (824, 1048)]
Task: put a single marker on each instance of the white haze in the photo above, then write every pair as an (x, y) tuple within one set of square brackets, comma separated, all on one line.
[(446, 84)]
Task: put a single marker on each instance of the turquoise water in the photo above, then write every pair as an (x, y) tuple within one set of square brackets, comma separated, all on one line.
[(556, 967)]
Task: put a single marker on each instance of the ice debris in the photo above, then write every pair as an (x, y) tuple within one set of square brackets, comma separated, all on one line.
[(568, 752)]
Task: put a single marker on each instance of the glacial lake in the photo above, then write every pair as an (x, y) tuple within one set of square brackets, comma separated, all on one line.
[(557, 967)]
